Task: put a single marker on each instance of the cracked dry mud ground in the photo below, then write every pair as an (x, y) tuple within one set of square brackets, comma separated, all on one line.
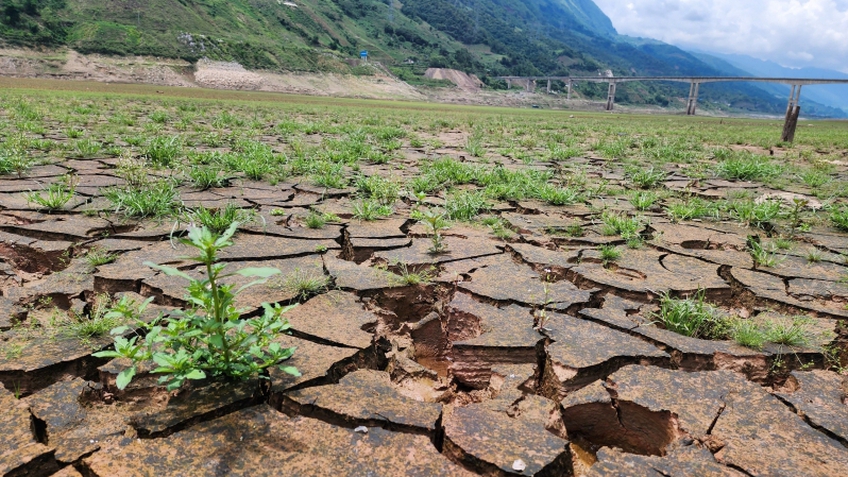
[(447, 377)]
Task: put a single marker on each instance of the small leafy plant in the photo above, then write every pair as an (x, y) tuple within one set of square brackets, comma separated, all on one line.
[(210, 338), (436, 221)]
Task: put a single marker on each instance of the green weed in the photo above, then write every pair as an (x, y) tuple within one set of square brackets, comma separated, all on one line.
[(210, 338)]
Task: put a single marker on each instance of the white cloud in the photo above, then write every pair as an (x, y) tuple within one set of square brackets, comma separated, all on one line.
[(793, 33)]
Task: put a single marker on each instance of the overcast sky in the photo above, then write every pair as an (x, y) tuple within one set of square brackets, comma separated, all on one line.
[(794, 33)]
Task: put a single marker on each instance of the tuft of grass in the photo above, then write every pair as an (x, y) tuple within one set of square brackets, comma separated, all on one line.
[(370, 209), (748, 167), (412, 277), (205, 177), (762, 255), (692, 208), (643, 200), (97, 256), (749, 334), (99, 322), (609, 253), (692, 317), (796, 333), (154, 199), (500, 228), (559, 195), (87, 147), (219, 220), (815, 255), (754, 213), (465, 205), (618, 224), (383, 190), (317, 220), (56, 196), (163, 151), (839, 217), (304, 284), (646, 178)]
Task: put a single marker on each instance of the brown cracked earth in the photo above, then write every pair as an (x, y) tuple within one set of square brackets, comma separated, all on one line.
[(447, 377)]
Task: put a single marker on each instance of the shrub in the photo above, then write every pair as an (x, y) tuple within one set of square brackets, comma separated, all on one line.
[(210, 338)]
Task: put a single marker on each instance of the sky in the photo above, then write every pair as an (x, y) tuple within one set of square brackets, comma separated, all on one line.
[(793, 33)]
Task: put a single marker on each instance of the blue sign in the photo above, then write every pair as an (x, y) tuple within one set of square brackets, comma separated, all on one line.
[(363, 54)]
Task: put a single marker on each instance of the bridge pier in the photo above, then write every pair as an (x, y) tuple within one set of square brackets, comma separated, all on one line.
[(549, 86), (570, 84), (611, 96), (531, 86), (508, 84), (793, 110), (692, 104)]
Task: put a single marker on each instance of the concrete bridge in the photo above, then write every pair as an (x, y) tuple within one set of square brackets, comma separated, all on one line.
[(792, 109)]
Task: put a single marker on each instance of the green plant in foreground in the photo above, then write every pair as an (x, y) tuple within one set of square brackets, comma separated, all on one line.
[(210, 338), (55, 197)]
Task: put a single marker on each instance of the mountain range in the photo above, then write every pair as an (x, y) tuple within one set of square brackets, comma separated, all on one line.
[(486, 37)]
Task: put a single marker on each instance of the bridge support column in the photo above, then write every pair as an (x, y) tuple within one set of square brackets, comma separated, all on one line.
[(611, 96), (508, 84), (692, 104), (549, 86), (531, 86), (570, 84), (793, 110)]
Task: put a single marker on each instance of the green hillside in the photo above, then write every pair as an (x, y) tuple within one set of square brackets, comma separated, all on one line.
[(486, 37)]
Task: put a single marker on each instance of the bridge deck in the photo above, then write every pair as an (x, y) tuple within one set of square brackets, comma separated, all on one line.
[(680, 79)]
